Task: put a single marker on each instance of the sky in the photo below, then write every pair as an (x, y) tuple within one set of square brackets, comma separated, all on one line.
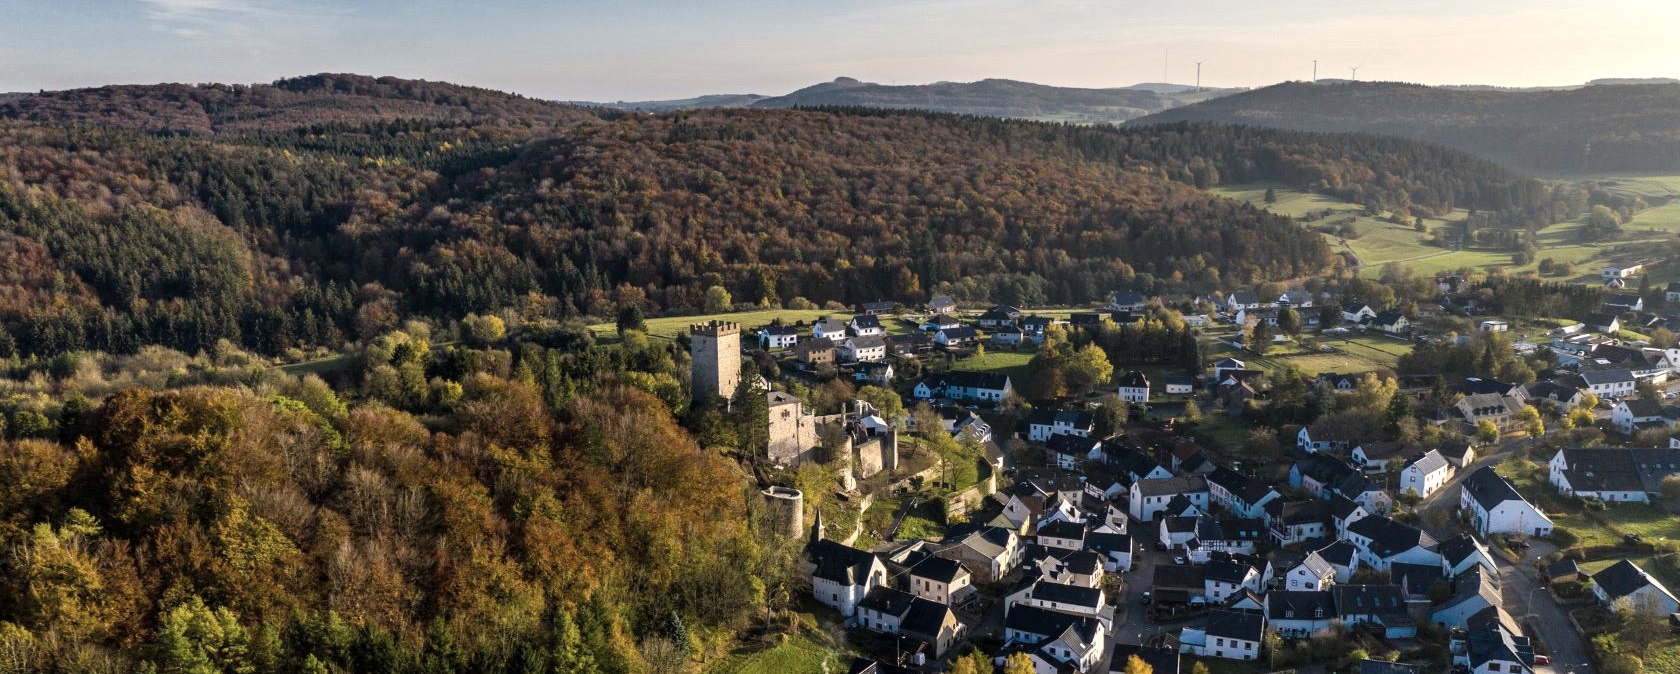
[(607, 50)]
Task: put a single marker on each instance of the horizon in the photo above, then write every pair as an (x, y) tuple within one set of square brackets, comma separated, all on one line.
[(588, 50)]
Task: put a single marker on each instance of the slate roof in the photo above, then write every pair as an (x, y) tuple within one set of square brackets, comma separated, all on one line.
[(1629, 469), (1387, 449), (1460, 548), (1427, 462), (1179, 576), (925, 616), (868, 342), (1388, 536), (1601, 377), (866, 666), (1339, 553), (1386, 667), (880, 306), (937, 569), (1235, 625), (941, 302), (1227, 571), (865, 321), (1162, 486), (1127, 298), (1242, 487), (1132, 379), (832, 326), (1299, 512), (1076, 595), (1384, 601), (1317, 565), (1624, 578), (781, 330), (840, 563), (969, 379), (959, 332), (1300, 604), (1160, 660), (1489, 489), (1063, 529), (1493, 643), (887, 601)]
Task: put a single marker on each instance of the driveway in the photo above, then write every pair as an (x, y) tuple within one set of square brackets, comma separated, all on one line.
[(1548, 621)]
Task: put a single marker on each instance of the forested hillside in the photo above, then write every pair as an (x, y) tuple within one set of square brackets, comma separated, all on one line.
[(998, 98), (1593, 129), (326, 209)]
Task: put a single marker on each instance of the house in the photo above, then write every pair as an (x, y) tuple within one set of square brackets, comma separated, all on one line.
[(1559, 397), (1242, 299), (940, 305), (1608, 324), (1033, 328), (940, 579), (1073, 599), (1631, 415), (778, 337), (1494, 648), (1458, 452), (815, 353), (1610, 384), (880, 374), (1294, 522), (1494, 506), (1462, 553), (909, 346), (1382, 541), (1625, 580), (1313, 572), (1134, 387), (1357, 312), (999, 316), (1375, 457), (1322, 438), (960, 385), (1008, 336), (1613, 474), (1300, 299), (844, 575), (1495, 326), (1179, 385), (1227, 577), (1042, 424), (938, 322), (1229, 634), (1069, 451), (1115, 550), (890, 611), (1620, 303), (956, 338), (1150, 497), (1085, 319), (1564, 570), (1620, 273), (1063, 536), (831, 329), (867, 325), (1383, 606), (1391, 322), (880, 308), (1224, 365), (1473, 592), (865, 349), (1424, 473), (1159, 660), (1343, 556), (1340, 383), (1244, 496), (1299, 614), (1128, 300), (1054, 637), (989, 553), (1497, 409)]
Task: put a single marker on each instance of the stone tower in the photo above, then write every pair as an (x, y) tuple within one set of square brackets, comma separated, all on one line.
[(786, 510), (715, 348)]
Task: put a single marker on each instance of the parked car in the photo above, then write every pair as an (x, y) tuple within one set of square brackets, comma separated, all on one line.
[(1178, 559), (1145, 598), (1542, 660)]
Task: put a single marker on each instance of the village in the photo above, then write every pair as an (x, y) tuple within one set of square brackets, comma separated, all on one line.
[(1097, 531)]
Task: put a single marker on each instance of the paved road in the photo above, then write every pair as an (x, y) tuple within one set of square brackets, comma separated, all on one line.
[(1548, 620)]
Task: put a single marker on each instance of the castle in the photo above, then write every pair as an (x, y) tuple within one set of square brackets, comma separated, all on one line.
[(870, 443), (715, 349)]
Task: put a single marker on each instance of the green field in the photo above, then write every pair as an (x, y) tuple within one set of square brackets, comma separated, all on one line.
[(1381, 242), (797, 655)]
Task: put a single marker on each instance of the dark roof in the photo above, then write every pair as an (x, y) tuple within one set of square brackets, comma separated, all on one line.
[(1076, 595), (1475, 385), (1048, 417), (1598, 318), (1592, 377), (1161, 486), (1379, 600), (1640, 407), (1387, 449), (866, 321), (1489, 489), (1387, 317), (1629, 469), (1386, 667), (1235, 625), (1043, 622), (867, 341), (840, 563), (925, 616), (1299, 512), (938, 569), (1389, 536), (1490, 642), (1063, 529), (781, 330), (1340, 553), (885, 305), (958, 332), (1459, 548), (1227, 571), (939, 301), (1133, 379), (1127, 297), (1160, 660), (1624, 578), (1106, 542), (968, 379), (1179, 576), (1300, 604), (887, 601), (1001, 312), (864, 666)]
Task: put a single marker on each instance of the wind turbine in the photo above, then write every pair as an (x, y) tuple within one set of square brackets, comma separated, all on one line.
[(1198, 76), (1355, 70), (1315, 71)]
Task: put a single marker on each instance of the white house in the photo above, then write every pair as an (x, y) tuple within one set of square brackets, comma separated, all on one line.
[(1495, 326), (1042, 424), (1357, 312), (832, 329), (1425, 473), (1298, 614), (1391, 322), (1179, 385), (1625, 580), (942, 580), (1071, 599), (1495, 507), (1633, 414), (961, 385), (1225, 578), (867, 326), (1382, 542), (1313, 573), (865, 349), (1375, 456), (957, 337), (777, 337), (1610, 384), (844, 575), (1229, 634), (1149, 497), (1613, 474), (1133, 387)]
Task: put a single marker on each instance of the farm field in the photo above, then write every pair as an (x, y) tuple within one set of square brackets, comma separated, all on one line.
[(1380, 242)]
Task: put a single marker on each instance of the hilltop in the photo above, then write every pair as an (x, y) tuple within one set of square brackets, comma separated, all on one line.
[(1584, 130), (1000, 98)]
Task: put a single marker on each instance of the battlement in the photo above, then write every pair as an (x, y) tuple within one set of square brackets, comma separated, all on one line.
[(715, 328)]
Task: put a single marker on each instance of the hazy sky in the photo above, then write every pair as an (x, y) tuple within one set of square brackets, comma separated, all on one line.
[(638, 49)]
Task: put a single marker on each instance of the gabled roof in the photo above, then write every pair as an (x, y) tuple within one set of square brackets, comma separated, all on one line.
[(1461, 547), (1378, 600), (925, 616), (1040, 621), (1162, 486), (1235, 625), (938, 569), (1127, 297), (1492, 643), (1640, 407), (1387, 449), (1228, 571), (840, 563), (1624, 578), (1300, 605), (887, 601), (865, 321), (1427, 462), (1242, 487), (1063, 529), (1339, 553), (1388, 536), (958, 332), (1291, 513), (1601, 377), (1317, 565), (781, 330), (1132, 379), (830, 324), (941, 301), (1001, 312), (1388, 318), (968, 379), (1245, 297), (1619, 468), (1179, 576), (884, 305), (1160, 660), (1368, 666), (1489, 489), (1074, 595), (867, 342)]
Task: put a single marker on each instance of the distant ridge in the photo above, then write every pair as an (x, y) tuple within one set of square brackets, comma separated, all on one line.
[(707, 101), (1610, 126), (1001, 98)]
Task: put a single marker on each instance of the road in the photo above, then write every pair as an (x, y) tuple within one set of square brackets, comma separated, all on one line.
[(1549, 622)]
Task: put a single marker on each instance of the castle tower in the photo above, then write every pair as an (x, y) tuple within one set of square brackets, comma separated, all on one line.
[(819, 531), (715, 348), (786, 510)]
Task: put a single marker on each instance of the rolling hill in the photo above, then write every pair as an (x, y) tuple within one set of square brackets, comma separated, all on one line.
[(1000, 98), (1585, 130)]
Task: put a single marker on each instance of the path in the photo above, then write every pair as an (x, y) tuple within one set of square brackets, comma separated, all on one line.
[(1549, 622)]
